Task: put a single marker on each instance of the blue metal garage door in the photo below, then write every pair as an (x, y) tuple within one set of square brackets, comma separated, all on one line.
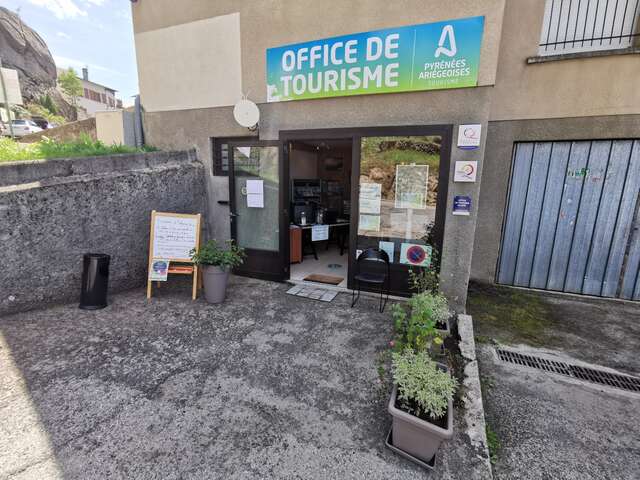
[(573, 218)]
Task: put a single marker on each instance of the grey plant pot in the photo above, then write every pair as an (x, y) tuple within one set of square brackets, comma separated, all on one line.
[(214, 280), (415, 436)]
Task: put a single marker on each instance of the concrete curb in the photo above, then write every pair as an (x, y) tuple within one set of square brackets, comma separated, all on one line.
[(474, 409)]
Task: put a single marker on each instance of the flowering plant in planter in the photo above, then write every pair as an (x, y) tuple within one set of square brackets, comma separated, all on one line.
[(424, 390), (421, 404), (425, 325), (216, 262)]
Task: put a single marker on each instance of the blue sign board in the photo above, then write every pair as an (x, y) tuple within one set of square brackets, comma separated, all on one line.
[(428, 56), (461, 205)]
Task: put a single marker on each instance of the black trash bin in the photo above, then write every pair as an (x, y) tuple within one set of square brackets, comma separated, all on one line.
[(95, 281)]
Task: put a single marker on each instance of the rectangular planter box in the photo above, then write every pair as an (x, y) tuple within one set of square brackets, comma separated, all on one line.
[(415, 436)]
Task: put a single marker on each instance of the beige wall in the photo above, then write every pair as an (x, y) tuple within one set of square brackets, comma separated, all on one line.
[(570, 88), (265, 24), (192, 65), (605, 85), (110, 127), (12, 83)]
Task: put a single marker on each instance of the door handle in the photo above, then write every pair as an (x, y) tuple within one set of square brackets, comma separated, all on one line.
[(233, 215)]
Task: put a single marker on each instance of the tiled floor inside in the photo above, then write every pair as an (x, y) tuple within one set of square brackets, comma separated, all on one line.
[(329, 262), (312, 291)]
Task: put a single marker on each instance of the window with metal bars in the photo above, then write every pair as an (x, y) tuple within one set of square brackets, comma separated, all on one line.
[(572, 26)]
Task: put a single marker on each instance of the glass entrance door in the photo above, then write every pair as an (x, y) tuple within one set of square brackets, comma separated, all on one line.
[(255, 205), (400, 203)]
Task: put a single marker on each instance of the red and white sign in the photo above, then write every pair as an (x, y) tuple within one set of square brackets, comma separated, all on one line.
[(414, 254)]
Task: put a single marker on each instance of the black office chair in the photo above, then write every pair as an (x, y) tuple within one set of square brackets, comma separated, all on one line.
[(372, 254)]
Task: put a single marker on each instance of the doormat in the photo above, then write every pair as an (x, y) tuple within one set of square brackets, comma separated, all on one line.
[(330, 279), (314, 293)]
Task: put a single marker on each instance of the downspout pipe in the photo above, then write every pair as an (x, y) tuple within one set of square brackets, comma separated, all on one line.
[(137, 122)]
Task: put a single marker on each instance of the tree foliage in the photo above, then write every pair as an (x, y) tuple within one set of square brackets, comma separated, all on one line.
[(70, 84)]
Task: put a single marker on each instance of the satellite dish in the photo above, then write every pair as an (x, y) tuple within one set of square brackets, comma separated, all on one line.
[(246, 113)]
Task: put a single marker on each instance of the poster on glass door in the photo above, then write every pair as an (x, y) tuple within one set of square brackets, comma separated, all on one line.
[(370, 198), (411, 186)]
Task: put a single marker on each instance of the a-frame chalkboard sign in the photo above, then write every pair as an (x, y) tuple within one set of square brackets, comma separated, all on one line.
[(171, 238)]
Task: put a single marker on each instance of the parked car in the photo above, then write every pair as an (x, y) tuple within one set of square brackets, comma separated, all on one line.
[(22, 128), (42, 122)]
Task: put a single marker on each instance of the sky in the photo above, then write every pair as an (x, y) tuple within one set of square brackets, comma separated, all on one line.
[(93, 33)]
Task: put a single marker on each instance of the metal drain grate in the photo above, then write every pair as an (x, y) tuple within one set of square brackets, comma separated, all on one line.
[(623, 382)]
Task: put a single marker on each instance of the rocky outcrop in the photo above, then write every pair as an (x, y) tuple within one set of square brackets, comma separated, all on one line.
[(23, 49), (64, 107)]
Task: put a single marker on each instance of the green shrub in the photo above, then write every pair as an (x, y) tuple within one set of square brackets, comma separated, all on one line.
[(422, 386), (430, 306), (211, 253), (47, 102), (12, 151), (83, 146), (417, 330)]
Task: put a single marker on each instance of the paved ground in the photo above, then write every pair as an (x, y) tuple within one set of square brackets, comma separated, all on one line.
[(549, 426), (266, 386), (598, 331)]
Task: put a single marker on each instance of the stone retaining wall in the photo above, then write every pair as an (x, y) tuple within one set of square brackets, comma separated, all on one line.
[(66, 132), (51, 212)]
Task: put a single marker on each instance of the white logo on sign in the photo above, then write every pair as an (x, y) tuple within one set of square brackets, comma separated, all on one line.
[(447, 32)]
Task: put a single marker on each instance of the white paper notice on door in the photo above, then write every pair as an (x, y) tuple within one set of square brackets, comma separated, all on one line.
[(255, 193), (319, 233), (255, 187)]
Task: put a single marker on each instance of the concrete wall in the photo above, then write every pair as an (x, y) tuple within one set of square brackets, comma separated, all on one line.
[(68, 131), (116, 127), (510, 88), (110, 127), (577, 87), (269, 24), (194, 128), (497, 165), (55, 211), (194, 65)]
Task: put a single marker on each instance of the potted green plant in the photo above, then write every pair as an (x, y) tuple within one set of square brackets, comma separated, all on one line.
[(421, 404), (425, 326), (216, 262)]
